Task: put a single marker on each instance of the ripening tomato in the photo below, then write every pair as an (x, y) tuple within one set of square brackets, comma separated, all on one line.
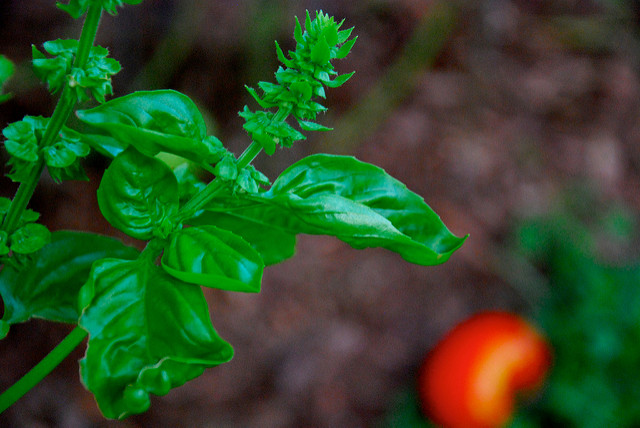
[(471, 377)]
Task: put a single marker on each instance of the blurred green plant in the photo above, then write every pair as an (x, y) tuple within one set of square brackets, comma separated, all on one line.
[(6, 71), (591, 315)]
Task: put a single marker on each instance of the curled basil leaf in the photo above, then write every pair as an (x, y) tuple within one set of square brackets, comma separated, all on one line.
[(154, 122), (214, 258), (148, 333), (138, 193)]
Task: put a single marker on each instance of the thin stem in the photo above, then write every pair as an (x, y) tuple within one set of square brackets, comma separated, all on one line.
[(67, 100), (60, 115), (21, 199), (249, 154), (42, 369)]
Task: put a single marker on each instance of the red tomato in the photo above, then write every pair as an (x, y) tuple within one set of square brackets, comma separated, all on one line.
[(471, 377)]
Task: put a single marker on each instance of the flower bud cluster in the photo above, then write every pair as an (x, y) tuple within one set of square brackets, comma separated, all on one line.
[(77, 8), (92, 80), (304, 76)]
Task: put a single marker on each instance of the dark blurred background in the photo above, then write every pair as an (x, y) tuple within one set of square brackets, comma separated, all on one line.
[(499, 113)]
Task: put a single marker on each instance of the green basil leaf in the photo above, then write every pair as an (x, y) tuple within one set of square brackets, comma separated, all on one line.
[(215, 258), (306, 125), (227, 168), (156, 121), (356, 202), (29, 238), (274, 244), (137, 193), (5, 204), (6, 71), (58, 156), (47, 287), (148, 333), (4, 240), (24, 151), (104, 144)]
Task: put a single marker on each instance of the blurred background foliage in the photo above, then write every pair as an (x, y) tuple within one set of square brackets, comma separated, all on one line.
[(517, 120)]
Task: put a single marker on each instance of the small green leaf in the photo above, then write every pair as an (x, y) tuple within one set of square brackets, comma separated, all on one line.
[(137, 193), (214, 258), (227, 168), (29, 238), (64, 152), (320, 52), (259, 100), (340, 80), (5, 204), (6, 71), (4, 249), (246, 182), (24, 151), (154, 122), (258, 176), (148, 333), (29, 216), (330, 34), (297, 32), (344, 35), (58, 156), (312, 126), (302, 89), (47, 287), (346, 48), (281, 57)]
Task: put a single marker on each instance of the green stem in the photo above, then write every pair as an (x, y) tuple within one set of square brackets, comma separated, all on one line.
[(60, 115), (42, 369), (249, 154), (67, 100), (21, 199)]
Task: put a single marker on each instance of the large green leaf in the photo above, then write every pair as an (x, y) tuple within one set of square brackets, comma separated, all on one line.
[(47, 287), (215, 258), (148, 333), (138, 193), (156, 121), (341, 196)]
